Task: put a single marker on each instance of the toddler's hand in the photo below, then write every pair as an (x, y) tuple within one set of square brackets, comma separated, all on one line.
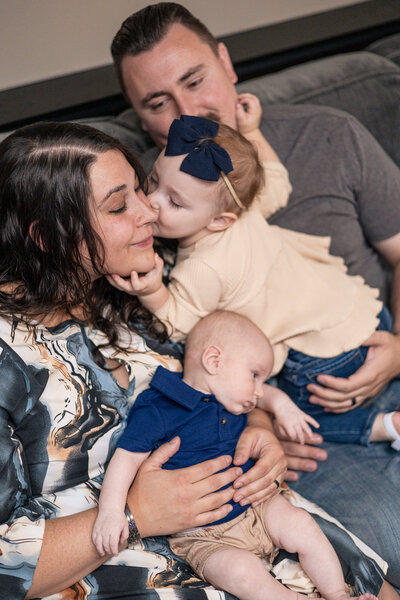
[(248, 113), (140, 285), (293, 424), (110, 530)]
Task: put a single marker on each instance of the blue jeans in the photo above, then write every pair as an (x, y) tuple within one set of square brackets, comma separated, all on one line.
[(299, 370)]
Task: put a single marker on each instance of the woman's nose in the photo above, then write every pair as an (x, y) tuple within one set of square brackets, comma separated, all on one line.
[(147, 213)]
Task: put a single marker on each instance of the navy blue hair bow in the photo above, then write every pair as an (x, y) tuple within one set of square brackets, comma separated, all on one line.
[(205, 159)]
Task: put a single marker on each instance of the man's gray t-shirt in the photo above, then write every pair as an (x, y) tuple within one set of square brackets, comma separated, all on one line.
[(344, 184)]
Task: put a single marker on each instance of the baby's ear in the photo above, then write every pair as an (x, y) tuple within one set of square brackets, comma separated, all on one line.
[(211, 359), (222, 221)]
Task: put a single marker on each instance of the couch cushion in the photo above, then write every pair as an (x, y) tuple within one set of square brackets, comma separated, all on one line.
[(389, 47)]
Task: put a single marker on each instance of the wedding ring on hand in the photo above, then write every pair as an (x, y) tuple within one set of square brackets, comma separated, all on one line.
[(276, 482), (353, 402)]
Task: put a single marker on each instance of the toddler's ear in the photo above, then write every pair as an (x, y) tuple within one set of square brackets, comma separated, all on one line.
[(211, 358), (222, 221)]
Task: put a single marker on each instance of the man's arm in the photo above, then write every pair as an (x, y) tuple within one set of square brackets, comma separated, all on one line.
[(383, 359)]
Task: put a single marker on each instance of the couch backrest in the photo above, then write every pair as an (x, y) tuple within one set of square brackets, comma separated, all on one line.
[(361, 83)]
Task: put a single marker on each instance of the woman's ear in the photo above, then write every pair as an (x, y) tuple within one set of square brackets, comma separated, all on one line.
[(222, 221), (211, 359), (35, 235)]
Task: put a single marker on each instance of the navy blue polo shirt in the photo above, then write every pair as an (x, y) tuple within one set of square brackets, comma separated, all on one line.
[(170, 407)]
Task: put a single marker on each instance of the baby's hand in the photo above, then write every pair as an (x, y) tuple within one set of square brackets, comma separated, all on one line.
[(140, 285), (248, 120), (110, 530), (292, 423)]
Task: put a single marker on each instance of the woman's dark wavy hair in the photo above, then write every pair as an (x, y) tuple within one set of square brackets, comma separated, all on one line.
[(45, 218)]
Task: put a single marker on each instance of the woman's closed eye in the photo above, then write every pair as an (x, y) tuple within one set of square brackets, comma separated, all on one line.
[(119, 210)]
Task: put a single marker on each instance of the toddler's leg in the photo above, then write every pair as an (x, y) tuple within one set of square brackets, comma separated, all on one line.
[(386, 428), (243, 574), (295, 530)]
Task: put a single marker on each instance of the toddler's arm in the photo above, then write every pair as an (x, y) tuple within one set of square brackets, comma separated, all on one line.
[(111, 526), (290, 421), (277, 188), (148, 287), (248, 116)]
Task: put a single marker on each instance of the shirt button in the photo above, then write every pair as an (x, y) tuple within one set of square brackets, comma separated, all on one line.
[(205, 399), (223, 421)]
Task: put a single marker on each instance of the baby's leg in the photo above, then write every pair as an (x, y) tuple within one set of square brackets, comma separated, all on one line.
[(295, 530), (243, 574)]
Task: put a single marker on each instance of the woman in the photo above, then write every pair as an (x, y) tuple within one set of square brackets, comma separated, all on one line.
[(72, 211), (72, 358)]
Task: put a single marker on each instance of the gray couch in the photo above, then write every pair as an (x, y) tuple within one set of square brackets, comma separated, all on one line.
[(365, 84)]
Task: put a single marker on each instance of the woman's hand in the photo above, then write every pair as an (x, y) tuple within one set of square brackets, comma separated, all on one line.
[(164, 502), (258, 442)]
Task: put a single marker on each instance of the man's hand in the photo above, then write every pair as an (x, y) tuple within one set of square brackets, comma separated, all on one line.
[(381, 365), (258, 483), (140, 285), (303, 457)]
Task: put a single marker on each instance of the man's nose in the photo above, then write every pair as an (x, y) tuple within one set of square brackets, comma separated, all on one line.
[(185, 106)]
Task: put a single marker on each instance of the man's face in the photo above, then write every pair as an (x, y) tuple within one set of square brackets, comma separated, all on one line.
[(180, 75)]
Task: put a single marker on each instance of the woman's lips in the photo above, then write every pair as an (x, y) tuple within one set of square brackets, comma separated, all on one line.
[(144, 243)]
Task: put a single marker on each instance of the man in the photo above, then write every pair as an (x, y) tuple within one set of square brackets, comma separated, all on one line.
[(169, 64)]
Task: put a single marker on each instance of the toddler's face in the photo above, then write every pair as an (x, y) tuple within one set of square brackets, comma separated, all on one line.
[(240, 381), (185, 204)]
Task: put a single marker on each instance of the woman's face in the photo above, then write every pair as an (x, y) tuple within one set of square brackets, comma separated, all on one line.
[(122, 215)]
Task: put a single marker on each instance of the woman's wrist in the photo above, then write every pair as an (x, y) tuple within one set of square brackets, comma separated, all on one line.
[(133, 536)]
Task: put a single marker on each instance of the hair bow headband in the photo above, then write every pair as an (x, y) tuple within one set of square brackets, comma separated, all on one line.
[(205, 159)]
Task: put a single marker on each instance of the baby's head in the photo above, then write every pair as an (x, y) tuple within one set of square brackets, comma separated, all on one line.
[(204, 179), (230, 357)]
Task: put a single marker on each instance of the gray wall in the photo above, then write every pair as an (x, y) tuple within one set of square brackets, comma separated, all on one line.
[(41, 39)]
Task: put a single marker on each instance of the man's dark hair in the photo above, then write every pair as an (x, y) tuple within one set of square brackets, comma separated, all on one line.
[(145, 28)]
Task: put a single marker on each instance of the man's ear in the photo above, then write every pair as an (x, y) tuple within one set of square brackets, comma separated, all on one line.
[(211, 359), (222, 221), (225, 59)]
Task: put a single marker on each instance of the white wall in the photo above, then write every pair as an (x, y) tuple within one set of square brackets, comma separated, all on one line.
[(41, 39)]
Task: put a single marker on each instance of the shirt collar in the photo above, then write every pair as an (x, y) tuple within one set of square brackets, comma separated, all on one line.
[(171, 385)]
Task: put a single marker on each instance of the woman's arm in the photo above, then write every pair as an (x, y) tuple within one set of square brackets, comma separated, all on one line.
[(161, 501)]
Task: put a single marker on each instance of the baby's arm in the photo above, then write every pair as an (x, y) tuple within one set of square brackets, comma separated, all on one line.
[(290, 421), (148, 287), (111, 526), (248, 121)]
